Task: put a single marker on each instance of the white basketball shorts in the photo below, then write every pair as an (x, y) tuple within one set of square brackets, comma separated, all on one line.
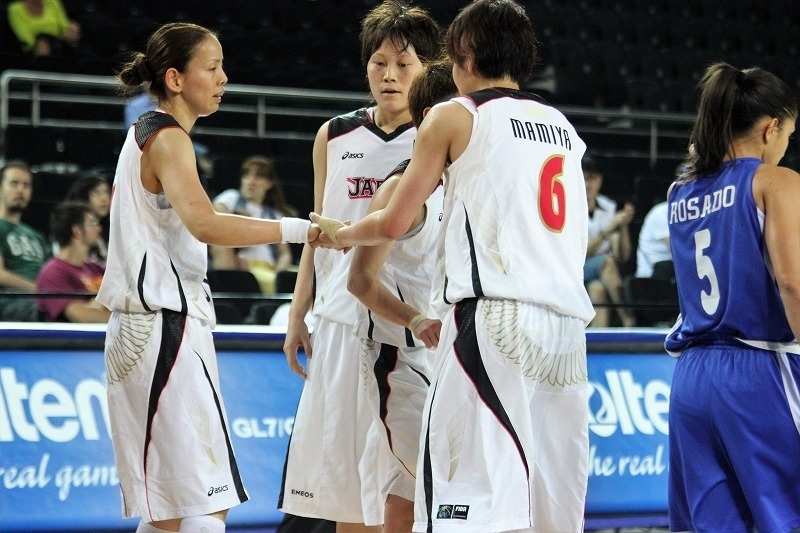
[(505, 442), (168, 424), (322, 478), (396, 383)]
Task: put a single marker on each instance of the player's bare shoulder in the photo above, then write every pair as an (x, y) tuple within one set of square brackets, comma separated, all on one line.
[(448, 114), (774, 177), (449, 123), (772, 181)]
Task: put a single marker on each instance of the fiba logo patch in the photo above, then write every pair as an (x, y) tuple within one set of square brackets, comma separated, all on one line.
[(445, 511), (457, 512)]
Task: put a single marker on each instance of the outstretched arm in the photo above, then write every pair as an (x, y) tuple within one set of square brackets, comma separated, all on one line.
[(169, 165), (442, 135)]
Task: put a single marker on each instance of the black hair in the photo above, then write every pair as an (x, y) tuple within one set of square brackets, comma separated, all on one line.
[(731, 102), (404, 25), (66, 215), (498, 35), (170, 46)]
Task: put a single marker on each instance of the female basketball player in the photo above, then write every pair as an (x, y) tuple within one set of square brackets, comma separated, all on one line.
[(734, 229), (171, 443), (394, 283), (352, 155), (509, 396)]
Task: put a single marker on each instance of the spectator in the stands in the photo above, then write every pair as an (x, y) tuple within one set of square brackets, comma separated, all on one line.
[(23, 250), (653, 248), (75, 228), (609, 247), (259, 195), (42, 26), (96, 192), (653, 254)]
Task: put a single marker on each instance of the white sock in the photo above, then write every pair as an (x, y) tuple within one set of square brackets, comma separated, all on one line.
[(146, 527), (202, 524)]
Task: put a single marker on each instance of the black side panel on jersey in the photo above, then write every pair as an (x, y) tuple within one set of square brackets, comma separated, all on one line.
[(151, 122), (399, 169), (344, 124), (487, 95)]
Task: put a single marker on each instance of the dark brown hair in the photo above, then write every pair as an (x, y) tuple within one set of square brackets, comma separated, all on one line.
[(731, 102), (81, 189), (171, 46), (433, 84), (66, 215), (498, 35), (263, 166), (404, 25), (13, 163)]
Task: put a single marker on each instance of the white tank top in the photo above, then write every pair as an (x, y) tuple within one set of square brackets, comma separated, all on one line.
[(153, 261), (360, 158), (515, 206)]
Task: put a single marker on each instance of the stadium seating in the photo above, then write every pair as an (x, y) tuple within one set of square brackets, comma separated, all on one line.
[(640, 55), (315, 46)]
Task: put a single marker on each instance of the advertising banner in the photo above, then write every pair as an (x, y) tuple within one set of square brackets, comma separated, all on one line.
[(57, 467), (56, 462), (628, 434)]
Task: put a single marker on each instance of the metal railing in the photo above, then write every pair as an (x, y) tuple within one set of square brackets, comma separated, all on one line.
[(39, 99), (41, 95)]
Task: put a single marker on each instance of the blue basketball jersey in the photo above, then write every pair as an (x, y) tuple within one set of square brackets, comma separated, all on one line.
[(726, 288)]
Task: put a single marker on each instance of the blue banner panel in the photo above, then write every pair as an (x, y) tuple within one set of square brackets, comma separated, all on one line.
[(628, 434), (57, 466), (56, 461)]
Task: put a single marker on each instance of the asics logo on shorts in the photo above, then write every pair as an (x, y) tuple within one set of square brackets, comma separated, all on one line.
[(217, 490), (303, 493)]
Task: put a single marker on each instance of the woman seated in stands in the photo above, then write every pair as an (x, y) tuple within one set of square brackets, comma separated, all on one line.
[(259, 195), (609, 246), (42, 26)]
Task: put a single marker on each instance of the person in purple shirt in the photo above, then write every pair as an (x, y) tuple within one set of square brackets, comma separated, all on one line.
[(75, 228)]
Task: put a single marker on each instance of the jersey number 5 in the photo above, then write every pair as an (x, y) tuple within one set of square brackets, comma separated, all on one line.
[(705, 269), (552, 196)]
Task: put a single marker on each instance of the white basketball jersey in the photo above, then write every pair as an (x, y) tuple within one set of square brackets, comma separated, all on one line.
[(515, 206), (360, 157), (409, 274), (153, 261)]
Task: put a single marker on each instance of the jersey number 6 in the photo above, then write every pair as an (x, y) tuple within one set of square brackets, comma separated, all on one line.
[(552, 198)]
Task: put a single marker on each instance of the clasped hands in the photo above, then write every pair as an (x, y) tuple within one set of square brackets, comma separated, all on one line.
[(327, 237)]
